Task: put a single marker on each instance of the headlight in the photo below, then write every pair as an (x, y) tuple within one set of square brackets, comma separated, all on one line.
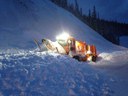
[(63, 36)]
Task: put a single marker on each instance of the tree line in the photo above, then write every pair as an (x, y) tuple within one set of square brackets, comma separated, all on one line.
[(111, 30)]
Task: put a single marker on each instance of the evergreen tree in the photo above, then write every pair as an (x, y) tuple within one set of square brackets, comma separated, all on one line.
[(89, 13), (98, 16), (94, 15), (81, 13), (89, 18), (76, 6), (64, 3)]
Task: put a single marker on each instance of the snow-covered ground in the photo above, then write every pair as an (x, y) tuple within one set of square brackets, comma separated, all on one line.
[(25, 72), (29, 72), (48, 74)]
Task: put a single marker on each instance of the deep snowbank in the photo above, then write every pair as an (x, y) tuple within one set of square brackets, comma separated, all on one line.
[(49, 74), (25, 72), (113, 59)]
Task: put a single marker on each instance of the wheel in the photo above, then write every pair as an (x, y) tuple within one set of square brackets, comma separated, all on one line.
[(94, 58), (76, 57)]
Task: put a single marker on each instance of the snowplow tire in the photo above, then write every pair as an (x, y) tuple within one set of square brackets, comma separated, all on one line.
[(94, 58), (77, 58)]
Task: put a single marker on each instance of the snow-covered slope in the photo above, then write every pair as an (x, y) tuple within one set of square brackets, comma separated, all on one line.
[(124, 41), (23, 20)]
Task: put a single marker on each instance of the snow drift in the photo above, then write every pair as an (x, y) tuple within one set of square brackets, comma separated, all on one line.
[(48, 74)]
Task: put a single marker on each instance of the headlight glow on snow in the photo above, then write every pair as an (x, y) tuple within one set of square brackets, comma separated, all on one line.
[(63, 36)]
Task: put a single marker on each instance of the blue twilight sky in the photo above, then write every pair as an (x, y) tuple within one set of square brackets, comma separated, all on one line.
[(108, 9)]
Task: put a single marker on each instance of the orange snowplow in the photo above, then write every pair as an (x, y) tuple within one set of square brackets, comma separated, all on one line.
[(68, 45), (81, 51)]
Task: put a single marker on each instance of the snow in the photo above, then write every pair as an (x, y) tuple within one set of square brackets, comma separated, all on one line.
[(25, 71), (124, 41), (30, 72), (49, 74), (112, 58), (0, 65)]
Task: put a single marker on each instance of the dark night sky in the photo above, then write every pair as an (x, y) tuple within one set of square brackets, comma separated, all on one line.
[(108, 9)]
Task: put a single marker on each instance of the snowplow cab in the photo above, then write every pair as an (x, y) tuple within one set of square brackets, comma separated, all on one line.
[(91, 53), (71, 43), (80, 47)]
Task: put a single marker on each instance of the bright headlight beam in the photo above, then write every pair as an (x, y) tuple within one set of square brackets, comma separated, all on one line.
[(63, 36)]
